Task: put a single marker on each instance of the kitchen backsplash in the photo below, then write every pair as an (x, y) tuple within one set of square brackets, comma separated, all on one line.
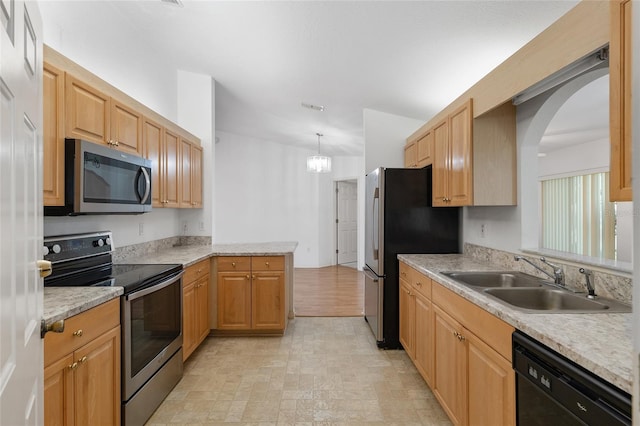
[(607, 284), (135, 250)]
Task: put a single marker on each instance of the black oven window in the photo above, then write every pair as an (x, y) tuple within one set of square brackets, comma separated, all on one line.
[(155, 323), (535, 408)]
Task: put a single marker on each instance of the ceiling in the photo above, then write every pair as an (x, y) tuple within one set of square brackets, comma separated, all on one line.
[(405, 58)]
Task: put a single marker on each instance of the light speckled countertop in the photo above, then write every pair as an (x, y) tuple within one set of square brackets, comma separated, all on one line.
[(64, 302), (599, 342), (188, 255)]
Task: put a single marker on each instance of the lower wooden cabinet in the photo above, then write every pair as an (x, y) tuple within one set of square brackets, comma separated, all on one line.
[(462, 351), (251, 293), (195, 306), (82, 369)]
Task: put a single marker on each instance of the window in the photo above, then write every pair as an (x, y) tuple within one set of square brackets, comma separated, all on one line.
[(577, 216)]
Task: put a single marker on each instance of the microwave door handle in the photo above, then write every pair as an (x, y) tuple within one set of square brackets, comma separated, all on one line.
[(147, 186)]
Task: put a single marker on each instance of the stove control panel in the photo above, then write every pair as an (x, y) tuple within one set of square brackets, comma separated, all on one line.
[(67, 247)]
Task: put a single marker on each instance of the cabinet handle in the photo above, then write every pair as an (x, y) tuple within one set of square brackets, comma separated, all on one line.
[(199, 270), (404, 274), (117, 143), (455, 333), (461, 337), (266, 264), (253, 277), (419, 284), (233, 264), (72, 366), (248, 277), (78, 333), (82, 360)]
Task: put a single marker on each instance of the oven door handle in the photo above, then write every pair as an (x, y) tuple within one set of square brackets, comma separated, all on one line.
[(159, 286)]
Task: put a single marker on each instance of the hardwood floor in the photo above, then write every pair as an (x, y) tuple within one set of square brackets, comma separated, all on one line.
[(333, 291)]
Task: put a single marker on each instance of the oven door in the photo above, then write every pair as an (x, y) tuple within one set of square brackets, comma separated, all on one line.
[(152, 331)]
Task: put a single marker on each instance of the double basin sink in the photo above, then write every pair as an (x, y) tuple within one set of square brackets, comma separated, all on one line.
[(531, 294)]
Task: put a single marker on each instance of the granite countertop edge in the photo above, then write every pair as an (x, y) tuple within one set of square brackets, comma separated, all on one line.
[(64, 302), (579, 337)]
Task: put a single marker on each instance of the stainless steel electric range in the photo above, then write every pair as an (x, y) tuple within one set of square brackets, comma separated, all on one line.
[(150, 312)]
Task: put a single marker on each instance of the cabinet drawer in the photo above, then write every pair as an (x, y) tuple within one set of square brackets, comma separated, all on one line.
[(420, 282), (196, 271), (267, 263), (81, 329), (234, 263)]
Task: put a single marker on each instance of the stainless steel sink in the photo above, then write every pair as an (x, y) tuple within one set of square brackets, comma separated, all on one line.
[(495, 279), (551, 300)]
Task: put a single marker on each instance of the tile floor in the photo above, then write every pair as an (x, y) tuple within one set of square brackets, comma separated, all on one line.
[(323, 371)]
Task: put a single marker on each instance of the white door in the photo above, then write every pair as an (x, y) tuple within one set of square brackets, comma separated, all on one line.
[(21, 288), (347, 221)]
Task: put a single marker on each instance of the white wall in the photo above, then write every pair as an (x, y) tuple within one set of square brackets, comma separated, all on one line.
[(264, 193), (196, 113), (384, 138)]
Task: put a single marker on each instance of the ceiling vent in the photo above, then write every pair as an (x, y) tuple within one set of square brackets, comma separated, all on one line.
[(313, 107), (173, 2)]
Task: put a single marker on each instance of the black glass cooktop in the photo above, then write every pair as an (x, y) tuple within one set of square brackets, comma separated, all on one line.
[(131, 277)]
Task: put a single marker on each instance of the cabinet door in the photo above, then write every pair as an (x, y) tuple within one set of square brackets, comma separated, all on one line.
[(185, 173), (620, 117), (202, 309), (424, 349), (460, 181), (410, 155), (87, 111), (425, 149), (491, 384), (53, 136), (234, 300), (170, 171), (407, 318), (196, 176), (153, 150), (59, 407), (440, 163), (188, 319), (450, 367), (97, 382), (126, 128), (268, 301)]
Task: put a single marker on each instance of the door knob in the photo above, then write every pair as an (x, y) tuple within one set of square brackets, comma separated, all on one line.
[(45, 268)]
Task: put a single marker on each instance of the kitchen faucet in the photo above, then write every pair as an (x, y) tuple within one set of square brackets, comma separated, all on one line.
[(590, 288), (558, 274)]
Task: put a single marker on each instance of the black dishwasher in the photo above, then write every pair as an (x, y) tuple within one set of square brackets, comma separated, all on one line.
[(552, 390)]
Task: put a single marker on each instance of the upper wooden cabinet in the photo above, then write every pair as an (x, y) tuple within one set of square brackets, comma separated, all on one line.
[(411, 155), (53, 135), (453, 168), (620, 100), (425, 149), (94, 116), (77, 104)]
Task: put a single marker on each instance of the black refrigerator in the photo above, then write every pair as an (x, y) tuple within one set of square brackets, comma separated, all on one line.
[(400, 219)]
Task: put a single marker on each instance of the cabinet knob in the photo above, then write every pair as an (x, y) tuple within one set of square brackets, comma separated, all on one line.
[(82, 360), (116, 143), (404, 274), (233, 264), (253, 276), (78, 333), (248, 277), (72, 366), (266, 263), (419, 284)]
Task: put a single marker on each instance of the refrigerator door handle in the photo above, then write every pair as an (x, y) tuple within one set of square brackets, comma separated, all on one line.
[(376, 219)]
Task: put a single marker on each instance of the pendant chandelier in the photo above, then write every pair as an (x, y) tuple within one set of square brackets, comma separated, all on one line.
[(318, 163)]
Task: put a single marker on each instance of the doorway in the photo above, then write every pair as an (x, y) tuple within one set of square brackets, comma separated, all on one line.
[(347, 222)]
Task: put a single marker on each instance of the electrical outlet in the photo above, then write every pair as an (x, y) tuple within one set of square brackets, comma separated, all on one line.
[(201, 225), (141, 228), (185, 228), (483, 231)]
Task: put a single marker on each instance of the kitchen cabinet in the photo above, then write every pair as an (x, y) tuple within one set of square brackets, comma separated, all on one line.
[(190, 176), (411, 155), (416, 319), (53, 135), (161, 147), (620, 118), (473, 378), (453, 159), (425, 149), (195, 302), (251, 293), (97, 117), (82, 369)]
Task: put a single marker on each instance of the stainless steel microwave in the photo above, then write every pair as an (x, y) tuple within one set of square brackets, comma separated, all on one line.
[(102, 180)]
